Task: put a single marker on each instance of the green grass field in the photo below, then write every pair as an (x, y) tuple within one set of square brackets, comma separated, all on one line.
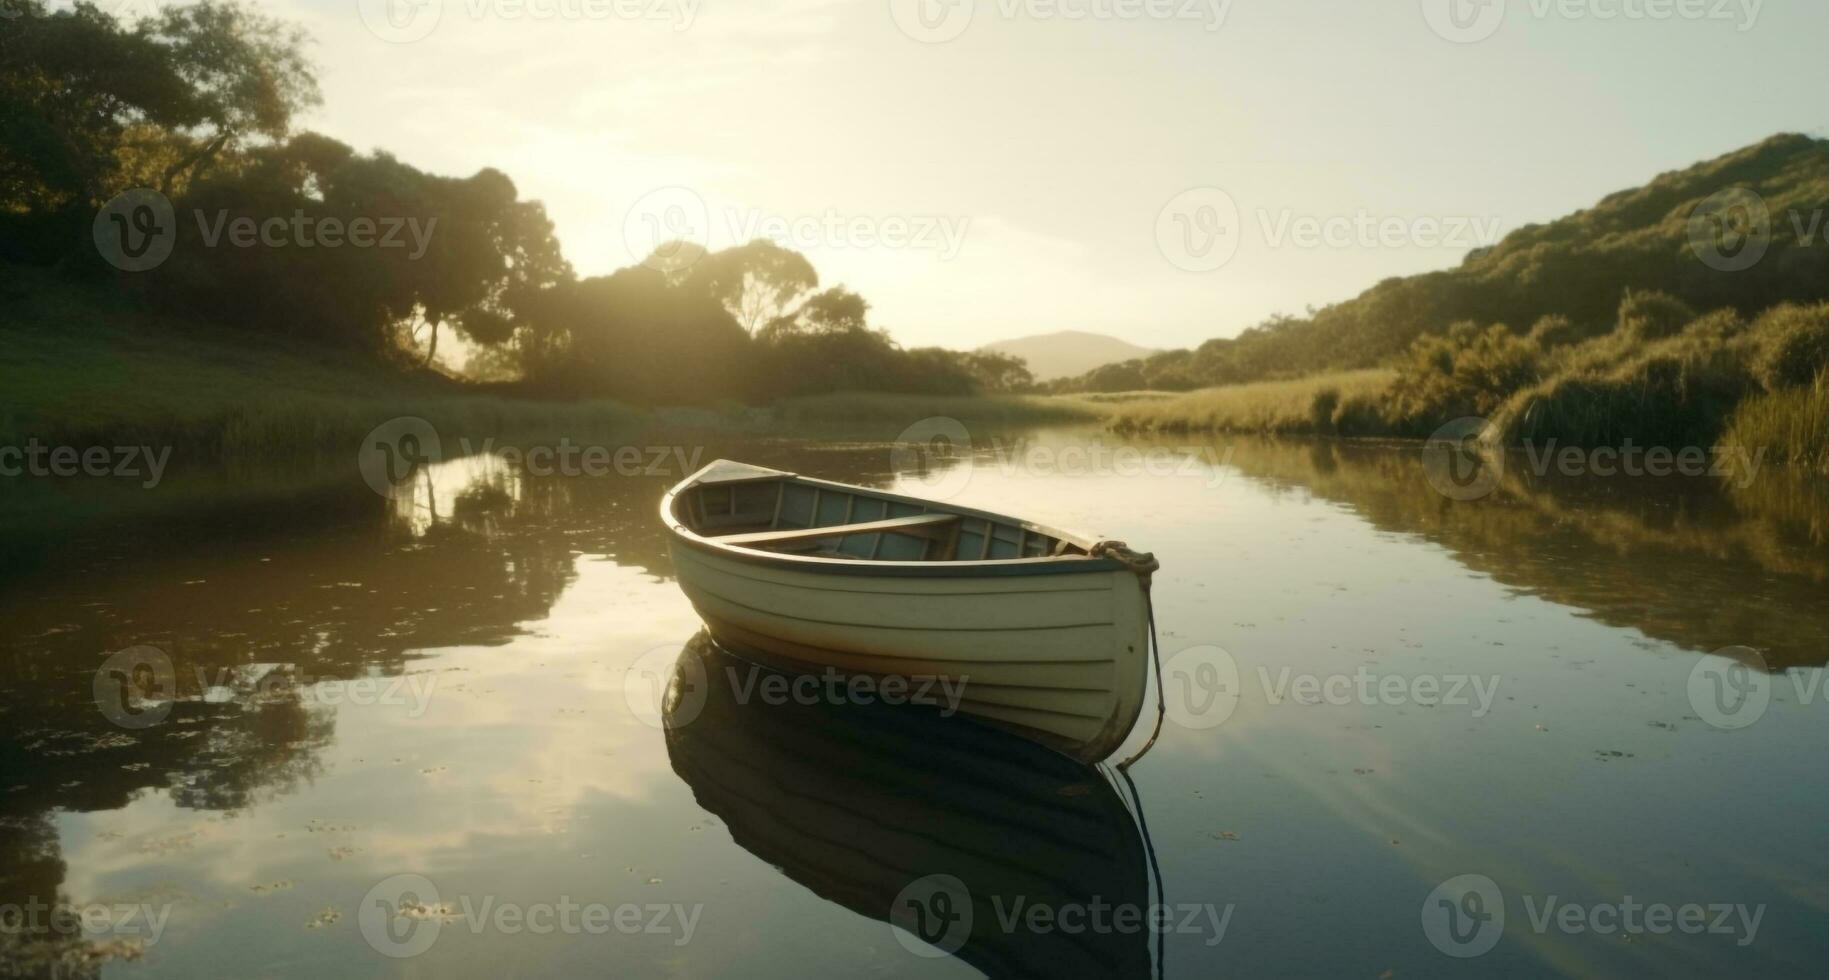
[(85, 367)]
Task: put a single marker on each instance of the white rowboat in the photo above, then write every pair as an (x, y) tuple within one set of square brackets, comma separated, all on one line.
[(1036, 630)]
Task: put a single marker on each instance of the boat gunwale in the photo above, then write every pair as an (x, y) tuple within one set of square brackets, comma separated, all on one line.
[(974, 568)]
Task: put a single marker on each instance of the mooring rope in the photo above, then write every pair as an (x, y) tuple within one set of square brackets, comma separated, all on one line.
[(1145, 565), (1149, 848), (1161, 697)]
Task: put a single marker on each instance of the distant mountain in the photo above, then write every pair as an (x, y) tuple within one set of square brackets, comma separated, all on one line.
[(1069, 353)]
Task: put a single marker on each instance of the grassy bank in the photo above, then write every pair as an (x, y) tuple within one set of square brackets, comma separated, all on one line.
[(1301, 406), (864, 408), (87, 367), (1662, 375), (1792, 425), (83, 369)]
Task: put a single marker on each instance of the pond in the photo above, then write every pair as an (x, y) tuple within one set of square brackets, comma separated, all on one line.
[(1573, 724)]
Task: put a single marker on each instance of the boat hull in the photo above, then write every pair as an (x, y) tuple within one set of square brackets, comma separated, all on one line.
[(1058, 656)]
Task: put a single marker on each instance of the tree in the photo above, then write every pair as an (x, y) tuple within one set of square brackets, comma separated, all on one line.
[(89, 107), (246, 73), (758, 282), (634, 335), (835, 310), (472, 254)]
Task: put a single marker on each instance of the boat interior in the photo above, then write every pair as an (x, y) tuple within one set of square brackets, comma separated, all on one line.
[(786, 515)]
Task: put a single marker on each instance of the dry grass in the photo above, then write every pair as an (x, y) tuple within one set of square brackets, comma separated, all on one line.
[(872, 409), (1791, 425), (1279, 407)]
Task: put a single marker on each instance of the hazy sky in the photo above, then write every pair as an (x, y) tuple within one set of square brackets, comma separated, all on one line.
[(989, 169)]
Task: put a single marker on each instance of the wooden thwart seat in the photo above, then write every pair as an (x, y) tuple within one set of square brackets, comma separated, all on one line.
[(921, 525)]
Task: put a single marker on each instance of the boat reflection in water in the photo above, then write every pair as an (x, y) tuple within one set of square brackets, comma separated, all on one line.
[(949, 829)]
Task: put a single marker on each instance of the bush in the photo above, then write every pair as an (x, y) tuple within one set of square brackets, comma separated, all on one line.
[(1321, 410), (1719, 327), (1360, 415), (1650, 315), (1468, 371), (1790, 426), (1557, 330), (1793, 346)]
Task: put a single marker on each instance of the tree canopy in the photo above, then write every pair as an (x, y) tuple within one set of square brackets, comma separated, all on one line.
[(298, 234)]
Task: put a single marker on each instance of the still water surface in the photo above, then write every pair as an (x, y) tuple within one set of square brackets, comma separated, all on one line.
[(461, 707)]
